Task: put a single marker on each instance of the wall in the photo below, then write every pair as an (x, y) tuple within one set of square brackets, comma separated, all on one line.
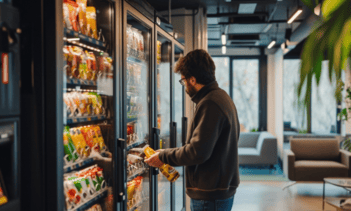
[(235, 51)]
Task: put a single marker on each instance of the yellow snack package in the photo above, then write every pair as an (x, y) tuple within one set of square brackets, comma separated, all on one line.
[(99, 137), (82, 17), (79, 142), (91, 19)]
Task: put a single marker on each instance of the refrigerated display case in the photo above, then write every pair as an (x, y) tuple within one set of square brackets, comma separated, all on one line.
[(138, 33)]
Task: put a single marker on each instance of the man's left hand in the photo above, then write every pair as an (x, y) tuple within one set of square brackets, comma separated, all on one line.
[(154, 160)]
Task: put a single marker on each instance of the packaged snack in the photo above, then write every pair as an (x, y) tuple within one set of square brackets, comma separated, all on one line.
[(91, 19), (3, 197), (72, 8), (97, 103), (89, 68), (83, 66), (78, 140), (95, 207), (109, 67), (68, 61), (76, 59), (68, 145), (99, 137), (82, 7), (93, 66), (88, 134), (71, 192), (159, 44)]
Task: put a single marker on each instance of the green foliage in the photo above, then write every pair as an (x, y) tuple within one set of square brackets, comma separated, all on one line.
[(347, 144), (331, 40), (254, 130), (303, 131)]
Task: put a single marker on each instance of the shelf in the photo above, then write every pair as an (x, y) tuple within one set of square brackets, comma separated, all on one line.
[(6, 140), (86, 162), (13, 205), (84, 38), (85, 119), (135, 144), (137, 174), (80, 82), (91, 202)]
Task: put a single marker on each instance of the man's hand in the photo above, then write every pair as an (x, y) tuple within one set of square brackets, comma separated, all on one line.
[(154, 160)]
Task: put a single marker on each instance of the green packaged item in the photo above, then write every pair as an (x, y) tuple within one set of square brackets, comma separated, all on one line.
[(68, 145)]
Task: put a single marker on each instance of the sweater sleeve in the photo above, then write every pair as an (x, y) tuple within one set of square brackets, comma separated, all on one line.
[(209, 120)]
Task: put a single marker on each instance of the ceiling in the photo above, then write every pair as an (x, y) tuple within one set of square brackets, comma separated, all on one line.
[(243, 30)]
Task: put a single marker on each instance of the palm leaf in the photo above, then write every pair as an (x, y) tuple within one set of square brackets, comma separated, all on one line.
[(329, 6), (310, 4)]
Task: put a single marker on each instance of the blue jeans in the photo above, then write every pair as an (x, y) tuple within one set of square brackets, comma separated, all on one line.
[(215, 205)]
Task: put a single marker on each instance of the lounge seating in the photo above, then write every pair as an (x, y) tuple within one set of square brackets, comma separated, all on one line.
[(312, 159), (257, 148)]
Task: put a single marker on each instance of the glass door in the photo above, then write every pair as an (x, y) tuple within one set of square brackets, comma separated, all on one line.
[(163, 97), (138, 34), (178, 112), (88, 108)]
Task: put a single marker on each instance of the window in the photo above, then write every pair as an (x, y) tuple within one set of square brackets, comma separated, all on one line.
[(294, 113), (222, 72), (324, 103), (245, 92)]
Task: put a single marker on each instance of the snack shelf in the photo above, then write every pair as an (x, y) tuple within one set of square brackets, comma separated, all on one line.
[(136, 144), (11, 205), (80, 82), (144, 170), (73, 120), (84, 38), (86, 162), (99, 195)]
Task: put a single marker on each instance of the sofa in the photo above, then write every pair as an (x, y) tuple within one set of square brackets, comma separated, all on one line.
[(312, 159), (257, 148)]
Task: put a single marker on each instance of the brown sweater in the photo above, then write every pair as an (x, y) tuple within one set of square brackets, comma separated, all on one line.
[(211, 150)]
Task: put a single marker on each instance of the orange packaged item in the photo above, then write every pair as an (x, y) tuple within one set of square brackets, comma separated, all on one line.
[(89, 68), (99, 137), (76, 59), (71, 8), (3, 198), (68, 61), (79, 142), (82, 7), (91, 19), (83, 66), (93, 66), (88, 134)]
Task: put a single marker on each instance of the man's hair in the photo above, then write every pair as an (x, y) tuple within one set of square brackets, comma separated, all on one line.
[(197, 63)]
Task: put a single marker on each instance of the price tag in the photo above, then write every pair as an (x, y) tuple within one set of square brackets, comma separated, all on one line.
[(4, 135), (74, 120), (90, 40), (75, 81), (89, 118), (5, 68), (76, 34)]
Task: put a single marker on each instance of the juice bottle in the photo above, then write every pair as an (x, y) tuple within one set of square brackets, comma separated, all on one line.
[(168, 171)]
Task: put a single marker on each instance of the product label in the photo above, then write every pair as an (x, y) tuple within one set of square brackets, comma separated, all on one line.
[(5, 68)]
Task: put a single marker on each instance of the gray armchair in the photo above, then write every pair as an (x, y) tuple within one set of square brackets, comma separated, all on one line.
[(257, 148), (314, 159)]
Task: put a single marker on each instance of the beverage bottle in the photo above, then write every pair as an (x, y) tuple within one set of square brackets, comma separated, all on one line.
[(168, 171)]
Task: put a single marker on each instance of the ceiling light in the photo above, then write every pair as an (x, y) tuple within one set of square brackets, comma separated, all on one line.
[(247, 8), (268, 27), (224, 39), (317, 9), (295, 15), (271, 44), (224, 49), (228, 0)]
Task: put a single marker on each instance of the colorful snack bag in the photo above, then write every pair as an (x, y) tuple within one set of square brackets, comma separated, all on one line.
[(89, 68), (71, 192), (3, 198), (83, 66), (78, 140), (70, 108), (88, 134), (76, 60), (72, 8), (91, 19), (82, 7), (68, 61), (99, 137), (93, 66), (68, 145), (109, 67)]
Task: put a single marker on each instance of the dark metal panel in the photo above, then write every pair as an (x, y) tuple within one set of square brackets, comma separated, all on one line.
[(53, 34), (262, 95)]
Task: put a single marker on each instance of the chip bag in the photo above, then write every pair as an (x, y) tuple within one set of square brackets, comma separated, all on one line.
[(99, 138), (91, 19), (79, 142), (82, 7), (70, 14), (68, 145), (3, 198), (76, 60), (88, 134)]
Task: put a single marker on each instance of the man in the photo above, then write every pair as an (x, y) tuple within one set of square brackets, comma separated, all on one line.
[(211, 150)]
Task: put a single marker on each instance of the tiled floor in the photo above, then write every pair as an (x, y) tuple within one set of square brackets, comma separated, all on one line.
[(269, 196)]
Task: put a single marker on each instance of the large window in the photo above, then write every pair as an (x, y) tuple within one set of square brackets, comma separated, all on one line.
[(294, 113), (222, 72), (323, 103), (245, 92)]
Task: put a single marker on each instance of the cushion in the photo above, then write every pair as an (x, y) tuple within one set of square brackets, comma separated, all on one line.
[(315, 149), (248, 139), (248, 151), (316, 170)]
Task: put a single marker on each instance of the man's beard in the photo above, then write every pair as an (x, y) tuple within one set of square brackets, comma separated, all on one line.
[(191, 91)]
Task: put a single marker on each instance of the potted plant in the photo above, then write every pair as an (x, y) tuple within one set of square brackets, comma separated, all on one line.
[(331, 40)]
